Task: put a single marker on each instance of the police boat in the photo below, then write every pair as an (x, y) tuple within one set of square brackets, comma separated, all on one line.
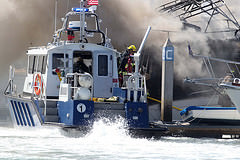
[(73, 81)]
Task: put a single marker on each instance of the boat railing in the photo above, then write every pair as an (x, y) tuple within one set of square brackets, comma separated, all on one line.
[(84, 13), (136, 88), (78, 80), (231, 81), (11, 88)]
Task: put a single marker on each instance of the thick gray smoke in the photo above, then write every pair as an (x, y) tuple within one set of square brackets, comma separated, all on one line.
[(127, 21), (28, 23), (24, 24), (131, 18)]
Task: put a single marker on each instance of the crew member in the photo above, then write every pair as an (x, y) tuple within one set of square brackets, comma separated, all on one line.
[(70, 34), (80, 66), (127, 58), (126, 65)]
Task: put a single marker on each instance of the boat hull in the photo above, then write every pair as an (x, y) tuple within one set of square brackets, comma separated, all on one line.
[(24, 112), (234, 93), (211, 115)]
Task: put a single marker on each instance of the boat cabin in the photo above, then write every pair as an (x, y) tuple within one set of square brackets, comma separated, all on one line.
[(73, 52), (55, 63)]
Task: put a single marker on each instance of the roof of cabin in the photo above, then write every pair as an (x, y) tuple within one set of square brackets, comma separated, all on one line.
[(70, 46)]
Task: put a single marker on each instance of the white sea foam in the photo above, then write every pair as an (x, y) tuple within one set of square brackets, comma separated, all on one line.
[(108, 141)]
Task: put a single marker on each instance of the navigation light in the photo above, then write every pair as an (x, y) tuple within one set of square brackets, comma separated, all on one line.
[(80, 9)]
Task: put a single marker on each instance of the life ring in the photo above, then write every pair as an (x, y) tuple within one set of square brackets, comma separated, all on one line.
[(236, 81), (38, 84)]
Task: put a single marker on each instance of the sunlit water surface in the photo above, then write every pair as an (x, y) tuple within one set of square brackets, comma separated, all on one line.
[(109, 142)]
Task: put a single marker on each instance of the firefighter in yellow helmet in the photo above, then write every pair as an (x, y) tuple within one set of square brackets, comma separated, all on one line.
[(128, 54), (127, 62), (132, 48)]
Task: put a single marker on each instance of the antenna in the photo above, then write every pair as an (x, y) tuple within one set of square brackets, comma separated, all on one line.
[(55, 17), (82, 21), (67, 6)]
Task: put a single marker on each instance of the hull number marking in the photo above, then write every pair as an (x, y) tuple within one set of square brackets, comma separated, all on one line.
[(81, 108)]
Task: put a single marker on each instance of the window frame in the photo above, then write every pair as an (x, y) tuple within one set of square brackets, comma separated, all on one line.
[(65, 64), (103, 63)]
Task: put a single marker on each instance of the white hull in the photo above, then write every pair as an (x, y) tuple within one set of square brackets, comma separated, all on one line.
[(234, 94), (214, 114), (219, 115)]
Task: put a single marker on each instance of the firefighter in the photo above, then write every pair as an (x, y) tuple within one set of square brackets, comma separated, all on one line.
[(127, 58), (129, 66), (127, 62)]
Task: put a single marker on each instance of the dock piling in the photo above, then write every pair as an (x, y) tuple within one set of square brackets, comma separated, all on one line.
[(167, 81)]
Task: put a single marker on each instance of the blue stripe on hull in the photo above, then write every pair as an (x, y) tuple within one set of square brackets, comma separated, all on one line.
[(23, 115), (27, 115), (185, 111), (14, 111), (18, 113), (31, 118)]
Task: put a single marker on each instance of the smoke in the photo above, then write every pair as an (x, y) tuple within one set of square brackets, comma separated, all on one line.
[(30, 23), (127, 22), (24, 24), (131, 19)]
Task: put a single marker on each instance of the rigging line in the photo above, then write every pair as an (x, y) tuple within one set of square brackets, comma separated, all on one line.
[(226, 16), (204, 60), (232, 15), (209, 21), (211, 68), (230, 30), (237, 69), (230, 70), (162, 30)]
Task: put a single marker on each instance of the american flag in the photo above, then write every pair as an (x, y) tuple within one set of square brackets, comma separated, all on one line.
[(92, 2)]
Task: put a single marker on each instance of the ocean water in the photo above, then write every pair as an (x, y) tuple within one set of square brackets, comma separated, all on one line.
[(109, 141)]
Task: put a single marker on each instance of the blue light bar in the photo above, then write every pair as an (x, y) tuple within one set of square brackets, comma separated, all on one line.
[(80, 9)]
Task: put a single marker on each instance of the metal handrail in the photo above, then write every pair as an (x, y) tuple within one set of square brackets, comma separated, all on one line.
[(78, 75)]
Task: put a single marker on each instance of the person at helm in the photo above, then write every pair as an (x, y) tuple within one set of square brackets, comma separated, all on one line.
[(80, 66)]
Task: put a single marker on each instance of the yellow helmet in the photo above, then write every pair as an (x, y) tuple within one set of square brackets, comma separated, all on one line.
[(132, 47)]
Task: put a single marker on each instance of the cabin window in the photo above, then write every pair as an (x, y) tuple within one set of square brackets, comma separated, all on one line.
[(37, 64), (44, 64), (39, 68), (82, 62), (58, 62), (102, 65), (31, 64)]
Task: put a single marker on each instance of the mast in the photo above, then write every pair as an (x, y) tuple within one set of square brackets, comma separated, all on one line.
[(82, 20)]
